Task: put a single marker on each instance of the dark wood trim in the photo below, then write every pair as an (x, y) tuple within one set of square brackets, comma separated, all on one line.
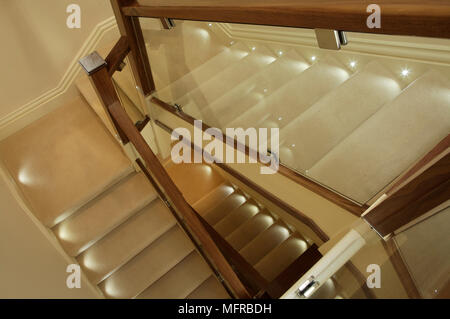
[(401, 269), (189, 215), (311, 185), (118, 53), (107, 94), (420, 195), (293, 272), (269, 196), (429, 18), (131, 28)]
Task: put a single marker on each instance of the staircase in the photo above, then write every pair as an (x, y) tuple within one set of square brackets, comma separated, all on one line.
[(110, 220), (335, 127), (106, 216)]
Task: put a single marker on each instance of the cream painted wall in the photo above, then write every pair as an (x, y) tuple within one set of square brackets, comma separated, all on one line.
[(37, 46), (37, 51), (31, 265)]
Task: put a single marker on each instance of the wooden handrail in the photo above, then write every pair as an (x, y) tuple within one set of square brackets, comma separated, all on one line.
[(269, 196), (333, 197), (118, 53), (176, 215), (424, 192), (439, 150), (160, 174), (430, 18)]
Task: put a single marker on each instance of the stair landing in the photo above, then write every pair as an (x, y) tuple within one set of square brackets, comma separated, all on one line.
[(62, 160)]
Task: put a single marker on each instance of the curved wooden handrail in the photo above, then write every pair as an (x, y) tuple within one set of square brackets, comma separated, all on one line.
[(160, 174)]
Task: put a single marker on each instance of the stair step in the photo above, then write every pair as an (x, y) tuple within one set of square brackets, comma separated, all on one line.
[(100, 216), (213, 198), (264, 243), (180, 281), (254, 89), (249, 230), (211, 288), (296, 96), (281, 257), (236, 218), (225, 207), (63, 160), (204, 72), (228, 79), (391, 140), (127, 240), (195, 179), (148, 266), (338, 113)]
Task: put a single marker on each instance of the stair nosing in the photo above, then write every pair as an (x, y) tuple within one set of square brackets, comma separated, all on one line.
[(229, 213), (140, 252), (224, 183), (217, 204), (249, 220), (162, 275), (131, 256), (194, 251), (260, 234), (117, 268), (69, 213), (132, 213), (249, 200)]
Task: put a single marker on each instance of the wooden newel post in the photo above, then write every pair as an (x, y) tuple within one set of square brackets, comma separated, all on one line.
[(97, 69)]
